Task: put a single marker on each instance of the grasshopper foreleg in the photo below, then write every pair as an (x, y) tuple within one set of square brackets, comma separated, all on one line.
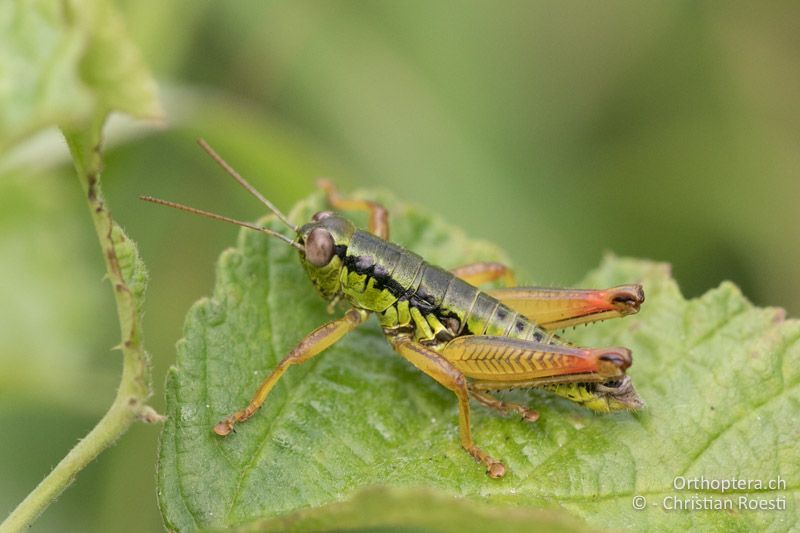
[(480, 273), (378, 215), (528, 415), (314, 343), (448, 376)]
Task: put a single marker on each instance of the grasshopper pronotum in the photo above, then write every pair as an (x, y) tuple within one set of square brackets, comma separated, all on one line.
[(468, 340)]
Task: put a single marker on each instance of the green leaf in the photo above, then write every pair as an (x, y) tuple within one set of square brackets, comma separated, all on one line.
[(720, 378), (68, 62)]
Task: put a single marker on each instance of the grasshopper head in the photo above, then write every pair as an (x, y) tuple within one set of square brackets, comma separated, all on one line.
[(324, 241)]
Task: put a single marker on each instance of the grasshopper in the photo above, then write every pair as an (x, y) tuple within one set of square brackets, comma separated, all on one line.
[(470, 341)]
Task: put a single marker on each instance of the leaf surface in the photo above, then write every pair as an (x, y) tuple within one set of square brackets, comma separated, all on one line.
[(720, 378)]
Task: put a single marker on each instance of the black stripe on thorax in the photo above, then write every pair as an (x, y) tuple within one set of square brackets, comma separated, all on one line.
[(363, 265)]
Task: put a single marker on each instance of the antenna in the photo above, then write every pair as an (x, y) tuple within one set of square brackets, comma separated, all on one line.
[(243, 182), (215, 216)]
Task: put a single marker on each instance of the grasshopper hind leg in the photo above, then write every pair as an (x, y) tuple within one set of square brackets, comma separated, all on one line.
[(527, 414), (437, 367)]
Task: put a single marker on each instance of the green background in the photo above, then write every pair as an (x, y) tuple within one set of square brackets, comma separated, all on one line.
[(558, 130)]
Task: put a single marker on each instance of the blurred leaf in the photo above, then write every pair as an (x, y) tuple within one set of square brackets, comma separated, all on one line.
[(718, 374), (67, 61), (417, 510)]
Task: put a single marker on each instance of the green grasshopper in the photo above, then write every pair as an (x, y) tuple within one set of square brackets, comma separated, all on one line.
[(468, 340)]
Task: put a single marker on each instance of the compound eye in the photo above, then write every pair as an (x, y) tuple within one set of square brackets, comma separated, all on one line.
[(322, 215), (319, 247)]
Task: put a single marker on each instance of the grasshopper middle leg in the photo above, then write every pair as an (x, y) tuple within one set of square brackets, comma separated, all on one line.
[(484, 272), (314, 343), (378, 215), (447, 375)]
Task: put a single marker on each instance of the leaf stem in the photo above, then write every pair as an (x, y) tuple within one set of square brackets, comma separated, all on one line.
[(126, 273), (113, 424)]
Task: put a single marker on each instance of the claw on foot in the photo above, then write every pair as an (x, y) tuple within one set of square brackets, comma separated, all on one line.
[(495, 470), (530, 416), (223, 428)]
